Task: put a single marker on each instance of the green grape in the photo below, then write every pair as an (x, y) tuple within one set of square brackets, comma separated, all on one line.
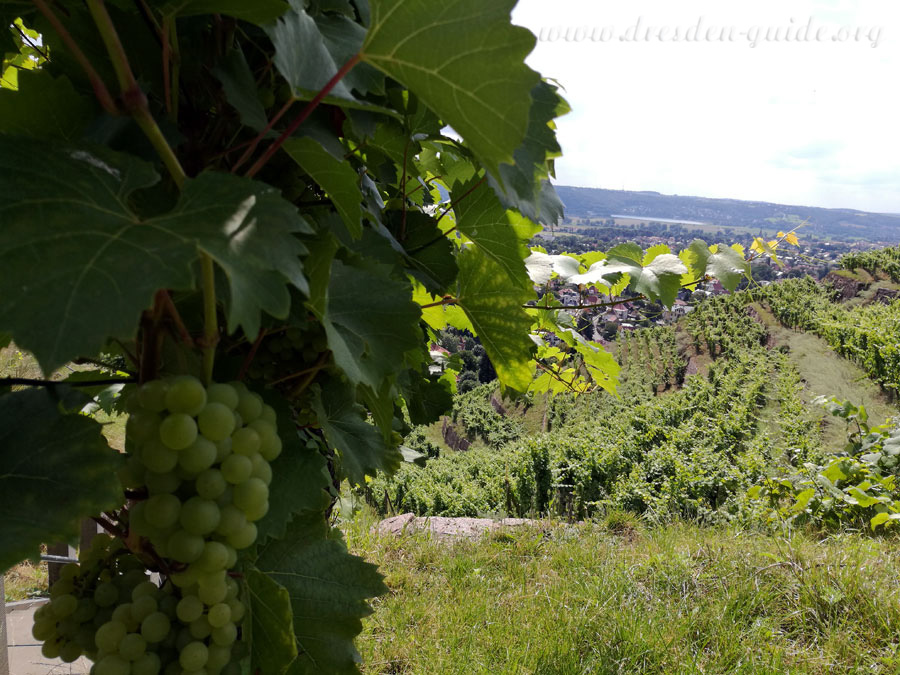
[(178, 431), (132, 647), (232, 558), (109, 635), (232, 520), (144, 589), (224, 635), (261, 469), (218, 615), (213, 558), (223, 449), (134, 574), (50, 650), (216, 421), (69, 571), (189, 608), (106, 594), (43, 629), (199, 516), (269, 442), (245, 442), (152, 395), (142, 426), (210, 484), (69, 652), (184, 546), (87, 610), (198, 457), (200, 628), (163, 510), (250, 495), (237, 609), (162, 483), (249, 406), (236, 468), (167, 605), (63, 605), (243, 538), (85, 637), (268, 414), (67, 627), (148, 664), (186, 394), (143, 607), (155, 627), (137, 519), (123, 615), (212, 594), (224, 394), (112, 665), (193, 656), (233, 588), (61, 587), (218, 657)]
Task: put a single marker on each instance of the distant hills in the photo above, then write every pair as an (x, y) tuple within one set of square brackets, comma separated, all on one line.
[(837, 224)]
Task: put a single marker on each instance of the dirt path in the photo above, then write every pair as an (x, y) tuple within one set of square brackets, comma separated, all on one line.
[(826, 373)]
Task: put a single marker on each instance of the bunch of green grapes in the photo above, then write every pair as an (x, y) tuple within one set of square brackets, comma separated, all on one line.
[(289, 351), (200, 455)]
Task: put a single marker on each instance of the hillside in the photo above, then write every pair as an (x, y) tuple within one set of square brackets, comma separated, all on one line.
[(838, 224)]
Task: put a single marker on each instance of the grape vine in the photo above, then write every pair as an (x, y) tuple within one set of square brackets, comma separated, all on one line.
[(258, 208)]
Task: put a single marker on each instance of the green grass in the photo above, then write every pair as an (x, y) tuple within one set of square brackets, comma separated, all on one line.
[(618, 598), (826, 373)]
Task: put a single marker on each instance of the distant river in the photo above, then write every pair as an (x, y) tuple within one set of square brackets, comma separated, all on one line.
[(654, 219)]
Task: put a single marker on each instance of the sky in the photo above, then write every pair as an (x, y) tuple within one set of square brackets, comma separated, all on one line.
[(788, 101)]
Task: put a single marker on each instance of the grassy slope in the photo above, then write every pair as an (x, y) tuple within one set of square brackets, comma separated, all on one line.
[(826, 373), (676, 600)]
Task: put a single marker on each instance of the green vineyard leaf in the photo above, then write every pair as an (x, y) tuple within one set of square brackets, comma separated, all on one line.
[(483, 219), (240, 89), (724, 263), (465, 60), (44, 106), (259, 11), (89, 240), (362, 448), (337, 178), (274, 647), (369, 343), (329, 590), (55, 469), (494, 306)]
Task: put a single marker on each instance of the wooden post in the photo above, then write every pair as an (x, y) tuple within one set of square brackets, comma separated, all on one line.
[(89, 530), (53, 568), (4, 638)]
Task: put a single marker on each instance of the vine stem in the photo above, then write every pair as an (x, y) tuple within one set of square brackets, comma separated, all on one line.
[(252, 145), (136, 103), (97, 83), (301, 118)]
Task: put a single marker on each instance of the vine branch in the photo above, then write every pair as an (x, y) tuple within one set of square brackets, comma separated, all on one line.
[(100, 91), (301, 118)]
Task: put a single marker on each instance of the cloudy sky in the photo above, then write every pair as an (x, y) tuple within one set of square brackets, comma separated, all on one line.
[(791, 101)]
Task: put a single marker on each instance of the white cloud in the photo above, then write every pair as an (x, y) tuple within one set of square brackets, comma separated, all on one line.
[(724, 118)]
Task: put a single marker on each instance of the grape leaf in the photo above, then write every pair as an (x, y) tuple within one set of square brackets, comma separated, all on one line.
[(300, 477), (429, 254), (655, 274), (92, 250), (329, 590), (55, 470), (524, 185), (465, 60), (483, 219), (363, 450), (259, 12), (310, 51), (274, 647), (337, 178), (724, 263), (240, 89), (427, 398), (44, 106), (494, 306), (369, 340)]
